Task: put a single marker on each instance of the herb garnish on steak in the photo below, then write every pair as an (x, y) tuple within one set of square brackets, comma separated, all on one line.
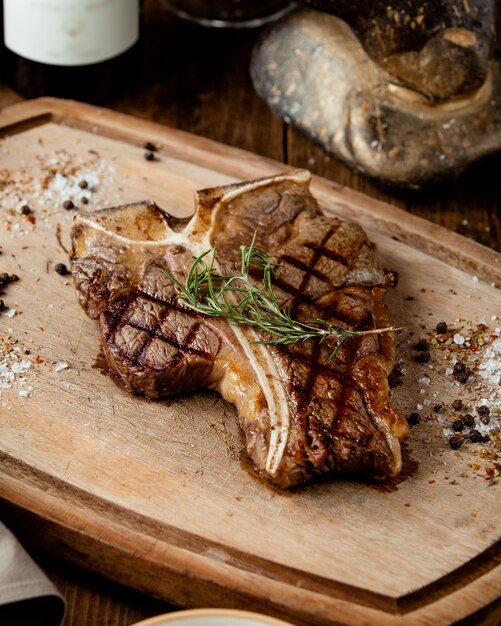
[(246, 302), (302, 413)]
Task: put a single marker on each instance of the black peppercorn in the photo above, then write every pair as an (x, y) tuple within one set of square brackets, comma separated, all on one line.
[(441, 328), (2, 305), (460, 372), (475, 436), (68, 205), (422, 357), (421, 345), (413, 419), (85, 200), (149, 155), (483, 410), (83, 184), (468, 420), (151, 147), (455, 443), (437, 408), (25, 210), (457, 426), (5, 279), (61, 269), (457, 405)]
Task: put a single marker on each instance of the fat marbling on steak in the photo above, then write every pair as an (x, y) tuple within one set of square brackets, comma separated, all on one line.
[(303, 413)]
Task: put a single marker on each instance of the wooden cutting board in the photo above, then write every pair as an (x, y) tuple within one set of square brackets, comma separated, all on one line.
[(158, 495)]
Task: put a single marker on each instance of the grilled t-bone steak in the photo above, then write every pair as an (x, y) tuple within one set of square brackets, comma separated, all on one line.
[(303, 412)]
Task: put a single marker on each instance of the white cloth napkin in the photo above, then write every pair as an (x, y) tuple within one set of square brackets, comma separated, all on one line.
[(27, 596)]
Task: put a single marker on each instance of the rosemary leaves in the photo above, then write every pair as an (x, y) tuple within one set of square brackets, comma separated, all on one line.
[(237, 299)]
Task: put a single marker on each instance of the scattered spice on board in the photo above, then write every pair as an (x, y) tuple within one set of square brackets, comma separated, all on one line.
[(468, 358), (55, 181), (34, 192), (14, 366)]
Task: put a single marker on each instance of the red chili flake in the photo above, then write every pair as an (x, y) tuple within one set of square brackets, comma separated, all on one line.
[(407, 504), (430, 482), (475, 466), (38, 359), (489, 471), (31, 219)]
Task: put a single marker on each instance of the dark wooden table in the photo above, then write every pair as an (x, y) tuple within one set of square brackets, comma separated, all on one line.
[(197, 79)]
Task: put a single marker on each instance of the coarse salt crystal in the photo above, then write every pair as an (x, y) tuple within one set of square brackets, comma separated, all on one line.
[(419, 407), (18, 367), (424, 380), (474, 279), (10, 313), (62, 365), (458, 339)]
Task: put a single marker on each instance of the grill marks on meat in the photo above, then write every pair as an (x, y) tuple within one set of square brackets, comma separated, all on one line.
[(302, 412), (157, 346)]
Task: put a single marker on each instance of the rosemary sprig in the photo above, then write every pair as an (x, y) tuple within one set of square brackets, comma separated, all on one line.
[(235, 298)]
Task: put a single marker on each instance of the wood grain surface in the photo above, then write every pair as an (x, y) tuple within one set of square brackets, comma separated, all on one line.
[(153, 494), (197, 80)]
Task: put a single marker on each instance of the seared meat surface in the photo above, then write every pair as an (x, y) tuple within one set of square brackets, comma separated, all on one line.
[(303, 412)]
